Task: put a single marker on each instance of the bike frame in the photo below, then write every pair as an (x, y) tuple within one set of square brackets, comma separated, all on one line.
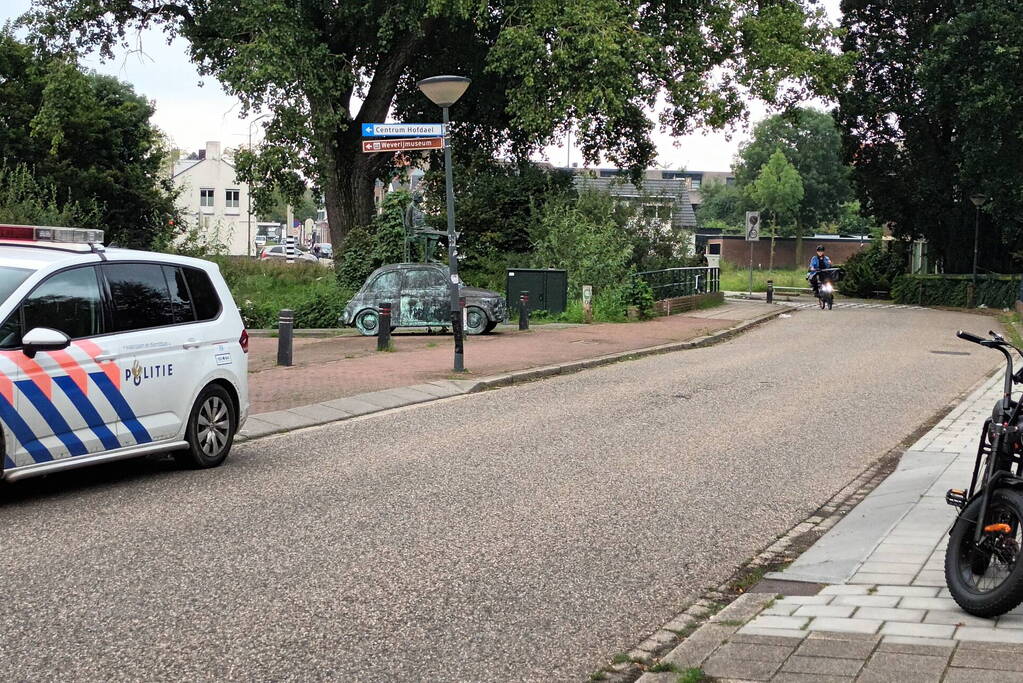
[(1001, 432)]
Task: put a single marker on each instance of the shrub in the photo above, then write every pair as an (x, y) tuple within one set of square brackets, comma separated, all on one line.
[(321, 311), (355, 263), (584, 238), (999, 291), (641, 295), (872, 270)]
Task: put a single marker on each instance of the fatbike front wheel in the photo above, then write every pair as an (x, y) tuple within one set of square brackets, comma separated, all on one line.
[(986, 579)]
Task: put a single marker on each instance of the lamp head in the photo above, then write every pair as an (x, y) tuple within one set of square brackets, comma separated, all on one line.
[(979, 200), (443, 91)]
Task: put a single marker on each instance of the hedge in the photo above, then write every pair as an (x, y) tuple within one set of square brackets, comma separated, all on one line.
[(993, 291)]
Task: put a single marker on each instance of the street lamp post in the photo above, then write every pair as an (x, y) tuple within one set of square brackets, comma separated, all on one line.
[(978, 201), (444, 91), (248, 193)]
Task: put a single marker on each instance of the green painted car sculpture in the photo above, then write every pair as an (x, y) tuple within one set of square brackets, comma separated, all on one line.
[(419, 297)]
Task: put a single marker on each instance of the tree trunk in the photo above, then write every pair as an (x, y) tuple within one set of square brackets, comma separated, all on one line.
[(348, 180), (799, 241)]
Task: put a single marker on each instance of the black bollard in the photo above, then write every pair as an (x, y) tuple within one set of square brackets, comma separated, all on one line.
[(524, 310), (285, 334), (770, 291), (384, 327), (457, 318)]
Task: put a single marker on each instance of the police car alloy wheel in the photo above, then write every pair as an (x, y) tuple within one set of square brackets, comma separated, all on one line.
[(211, 429)]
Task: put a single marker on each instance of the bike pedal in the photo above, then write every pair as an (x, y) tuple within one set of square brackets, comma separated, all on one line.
[(956, 497)]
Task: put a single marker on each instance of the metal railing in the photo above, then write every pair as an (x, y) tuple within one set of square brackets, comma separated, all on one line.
[(673, 282)]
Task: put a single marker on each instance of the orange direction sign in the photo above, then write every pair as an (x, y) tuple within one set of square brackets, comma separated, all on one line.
[(402, 145)]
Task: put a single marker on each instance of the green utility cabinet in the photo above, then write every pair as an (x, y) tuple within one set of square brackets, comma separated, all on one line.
[(548, 289)]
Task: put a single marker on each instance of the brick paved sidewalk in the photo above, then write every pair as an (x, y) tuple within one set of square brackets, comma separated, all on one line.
[(887, 615), (346, 366)]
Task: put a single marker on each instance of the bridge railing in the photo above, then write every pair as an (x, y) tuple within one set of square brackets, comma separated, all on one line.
[(675, 282)]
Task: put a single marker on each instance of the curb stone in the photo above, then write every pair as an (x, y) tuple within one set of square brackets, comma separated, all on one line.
[(337, 410)]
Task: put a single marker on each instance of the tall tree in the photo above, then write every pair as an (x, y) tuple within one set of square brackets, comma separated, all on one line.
[(777, 190), (811, 141), (538, 68), (722, 206), (933, 114), (87, 137)]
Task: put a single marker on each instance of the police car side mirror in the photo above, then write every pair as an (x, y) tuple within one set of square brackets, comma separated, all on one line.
[(43, 339)]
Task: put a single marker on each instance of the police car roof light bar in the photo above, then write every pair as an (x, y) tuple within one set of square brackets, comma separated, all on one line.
[(45, 233)]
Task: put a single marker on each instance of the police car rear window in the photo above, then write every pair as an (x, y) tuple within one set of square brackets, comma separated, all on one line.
[(204, 295), (140, 296)]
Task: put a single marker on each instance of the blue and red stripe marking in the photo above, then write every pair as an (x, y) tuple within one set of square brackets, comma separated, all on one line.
[(36, 391), (121, 407)]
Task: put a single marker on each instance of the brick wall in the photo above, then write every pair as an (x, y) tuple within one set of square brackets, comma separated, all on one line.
[(736, 251)]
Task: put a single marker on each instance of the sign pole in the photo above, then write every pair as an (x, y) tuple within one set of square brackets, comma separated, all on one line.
[(750, 294), (453, 285), (752, 235)]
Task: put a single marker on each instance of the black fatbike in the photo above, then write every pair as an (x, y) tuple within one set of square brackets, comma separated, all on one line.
[(982, 563)]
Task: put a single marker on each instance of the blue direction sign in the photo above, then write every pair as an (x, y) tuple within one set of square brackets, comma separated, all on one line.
[(402, 130)]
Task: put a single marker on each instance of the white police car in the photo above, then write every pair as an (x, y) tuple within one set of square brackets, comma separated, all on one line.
[(111, 353)]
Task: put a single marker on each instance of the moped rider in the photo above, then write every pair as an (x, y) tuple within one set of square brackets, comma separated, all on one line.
[(817, 263)]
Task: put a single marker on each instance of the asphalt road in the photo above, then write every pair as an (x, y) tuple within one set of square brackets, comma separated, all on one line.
[(524, 534)]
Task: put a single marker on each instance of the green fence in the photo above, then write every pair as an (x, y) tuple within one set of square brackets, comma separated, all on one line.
[(674, 282), (993, 291)]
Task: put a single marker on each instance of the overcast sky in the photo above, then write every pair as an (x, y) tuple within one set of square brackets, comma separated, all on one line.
[(191, 114)]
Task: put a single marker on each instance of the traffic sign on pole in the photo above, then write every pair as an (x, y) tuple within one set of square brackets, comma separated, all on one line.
[(401, 145), (752, 226), (402, 130)]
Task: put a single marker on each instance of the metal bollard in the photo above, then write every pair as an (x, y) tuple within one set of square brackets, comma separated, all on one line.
[(770, 291), (523, 310), (458, 328), (384, 326), (285, 335)]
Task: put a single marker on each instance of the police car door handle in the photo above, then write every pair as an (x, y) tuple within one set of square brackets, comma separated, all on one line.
[(102, 358), (192, 344)]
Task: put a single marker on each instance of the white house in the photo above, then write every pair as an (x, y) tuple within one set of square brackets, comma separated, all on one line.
[(215, 200)]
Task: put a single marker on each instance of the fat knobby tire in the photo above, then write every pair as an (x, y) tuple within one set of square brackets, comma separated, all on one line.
[(1009, 594)]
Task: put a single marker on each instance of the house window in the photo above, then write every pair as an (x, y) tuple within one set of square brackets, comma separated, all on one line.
[(206, 197), (696, 180), (232, 199)]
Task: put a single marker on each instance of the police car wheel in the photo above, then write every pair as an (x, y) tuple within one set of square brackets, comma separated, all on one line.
[(210, 429)]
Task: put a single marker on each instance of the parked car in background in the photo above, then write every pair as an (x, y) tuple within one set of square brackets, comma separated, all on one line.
[(277, 253), (260, 240), (323, 250), (418, 294)]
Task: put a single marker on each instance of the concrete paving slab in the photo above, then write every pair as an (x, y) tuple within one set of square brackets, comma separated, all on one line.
[(285, 419), (353, 405), (254, 428), (319, 413), (386, 398), (436, 390)]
